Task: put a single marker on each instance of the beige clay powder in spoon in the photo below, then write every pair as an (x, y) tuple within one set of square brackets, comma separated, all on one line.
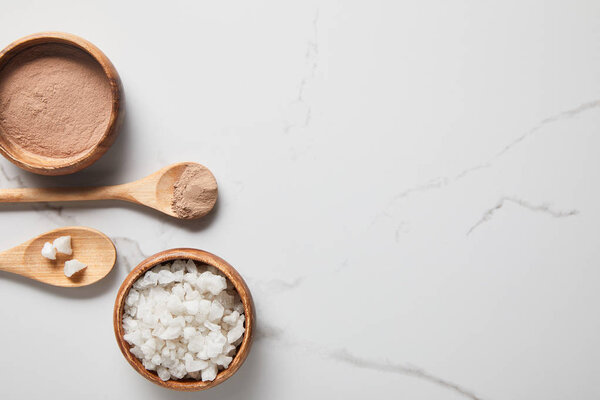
[(195, 192)]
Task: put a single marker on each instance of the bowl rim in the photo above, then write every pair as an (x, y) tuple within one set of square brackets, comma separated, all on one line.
[(87, 158), (206, 258)]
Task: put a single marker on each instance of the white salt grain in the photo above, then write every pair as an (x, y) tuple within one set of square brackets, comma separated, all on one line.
[(212, 327), (209, 373), (49, 251), (237, 331), (63, 245), (163, 373), (183, 321), (216, 311), (222, 360), (73, 266)]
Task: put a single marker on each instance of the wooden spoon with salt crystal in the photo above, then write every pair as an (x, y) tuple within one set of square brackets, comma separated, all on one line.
[(185, 190), (90, 246)]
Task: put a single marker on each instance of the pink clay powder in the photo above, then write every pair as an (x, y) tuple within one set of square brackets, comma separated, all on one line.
[(55, 101)]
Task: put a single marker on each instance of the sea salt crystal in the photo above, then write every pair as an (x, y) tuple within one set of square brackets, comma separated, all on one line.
[(63, 245), (192, 307), (183, 321), (209, 282), (214, 344), (202, 354), (222, 360), (192, 365), (190, 278), (236, 332), (137, 351), (225, 299), (229, 349), (189, 332), (203, 310), (174, 305), (178, 265), (73, 266), (178, 371), (210, 372), (49, 251), (132, 297), (196, 343), (178, 290), (165, 277), (216, 311), (190, 266), (163, 373), (172, 332), (212, 327), (232, 318)]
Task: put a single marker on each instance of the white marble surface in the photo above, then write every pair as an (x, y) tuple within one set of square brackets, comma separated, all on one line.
[(409, 188)]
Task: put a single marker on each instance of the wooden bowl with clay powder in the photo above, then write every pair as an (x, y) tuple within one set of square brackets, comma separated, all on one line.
[(60, 103), (200, 257)]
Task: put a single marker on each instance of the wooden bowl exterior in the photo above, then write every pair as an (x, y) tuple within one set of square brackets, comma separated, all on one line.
[(43, 166), (205, 258)]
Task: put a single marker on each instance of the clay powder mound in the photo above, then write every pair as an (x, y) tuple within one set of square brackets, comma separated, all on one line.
[(55, 101), (195, 192)]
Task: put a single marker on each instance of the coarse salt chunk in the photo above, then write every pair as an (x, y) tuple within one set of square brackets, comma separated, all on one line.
[(49, 251), (209, 282), (212, 327), (132, 298), (232, 318), (178, 265), (192, 307), (165, 277), (214, 343), (172, 332), (222, 360), (203, 310), (196, 343), (209, 373), (189, 332), (163, 373), (236, 332), (216, 311), (193, 365), (190, 266), (73, 266), (63, 245)]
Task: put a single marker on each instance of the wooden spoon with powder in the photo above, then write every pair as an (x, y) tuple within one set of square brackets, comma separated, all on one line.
[(184, 190)]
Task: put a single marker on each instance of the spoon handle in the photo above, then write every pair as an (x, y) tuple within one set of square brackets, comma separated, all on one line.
[(29, 195), (11, 260)]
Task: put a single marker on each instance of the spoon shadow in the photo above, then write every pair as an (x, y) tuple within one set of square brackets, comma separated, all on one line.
[(103, 286), (191, 225)]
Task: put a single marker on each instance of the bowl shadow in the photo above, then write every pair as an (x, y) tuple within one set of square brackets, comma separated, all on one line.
[(108, 170), (241, 385)]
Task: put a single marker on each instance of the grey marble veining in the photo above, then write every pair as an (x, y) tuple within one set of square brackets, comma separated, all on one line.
[(409, 190)]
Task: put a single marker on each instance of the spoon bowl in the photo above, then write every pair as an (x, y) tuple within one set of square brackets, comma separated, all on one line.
[(90, 246), (165, 184), (158, 189)]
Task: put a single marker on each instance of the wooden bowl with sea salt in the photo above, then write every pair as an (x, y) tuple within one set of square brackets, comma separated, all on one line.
[(60, 103), (200, 257)]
